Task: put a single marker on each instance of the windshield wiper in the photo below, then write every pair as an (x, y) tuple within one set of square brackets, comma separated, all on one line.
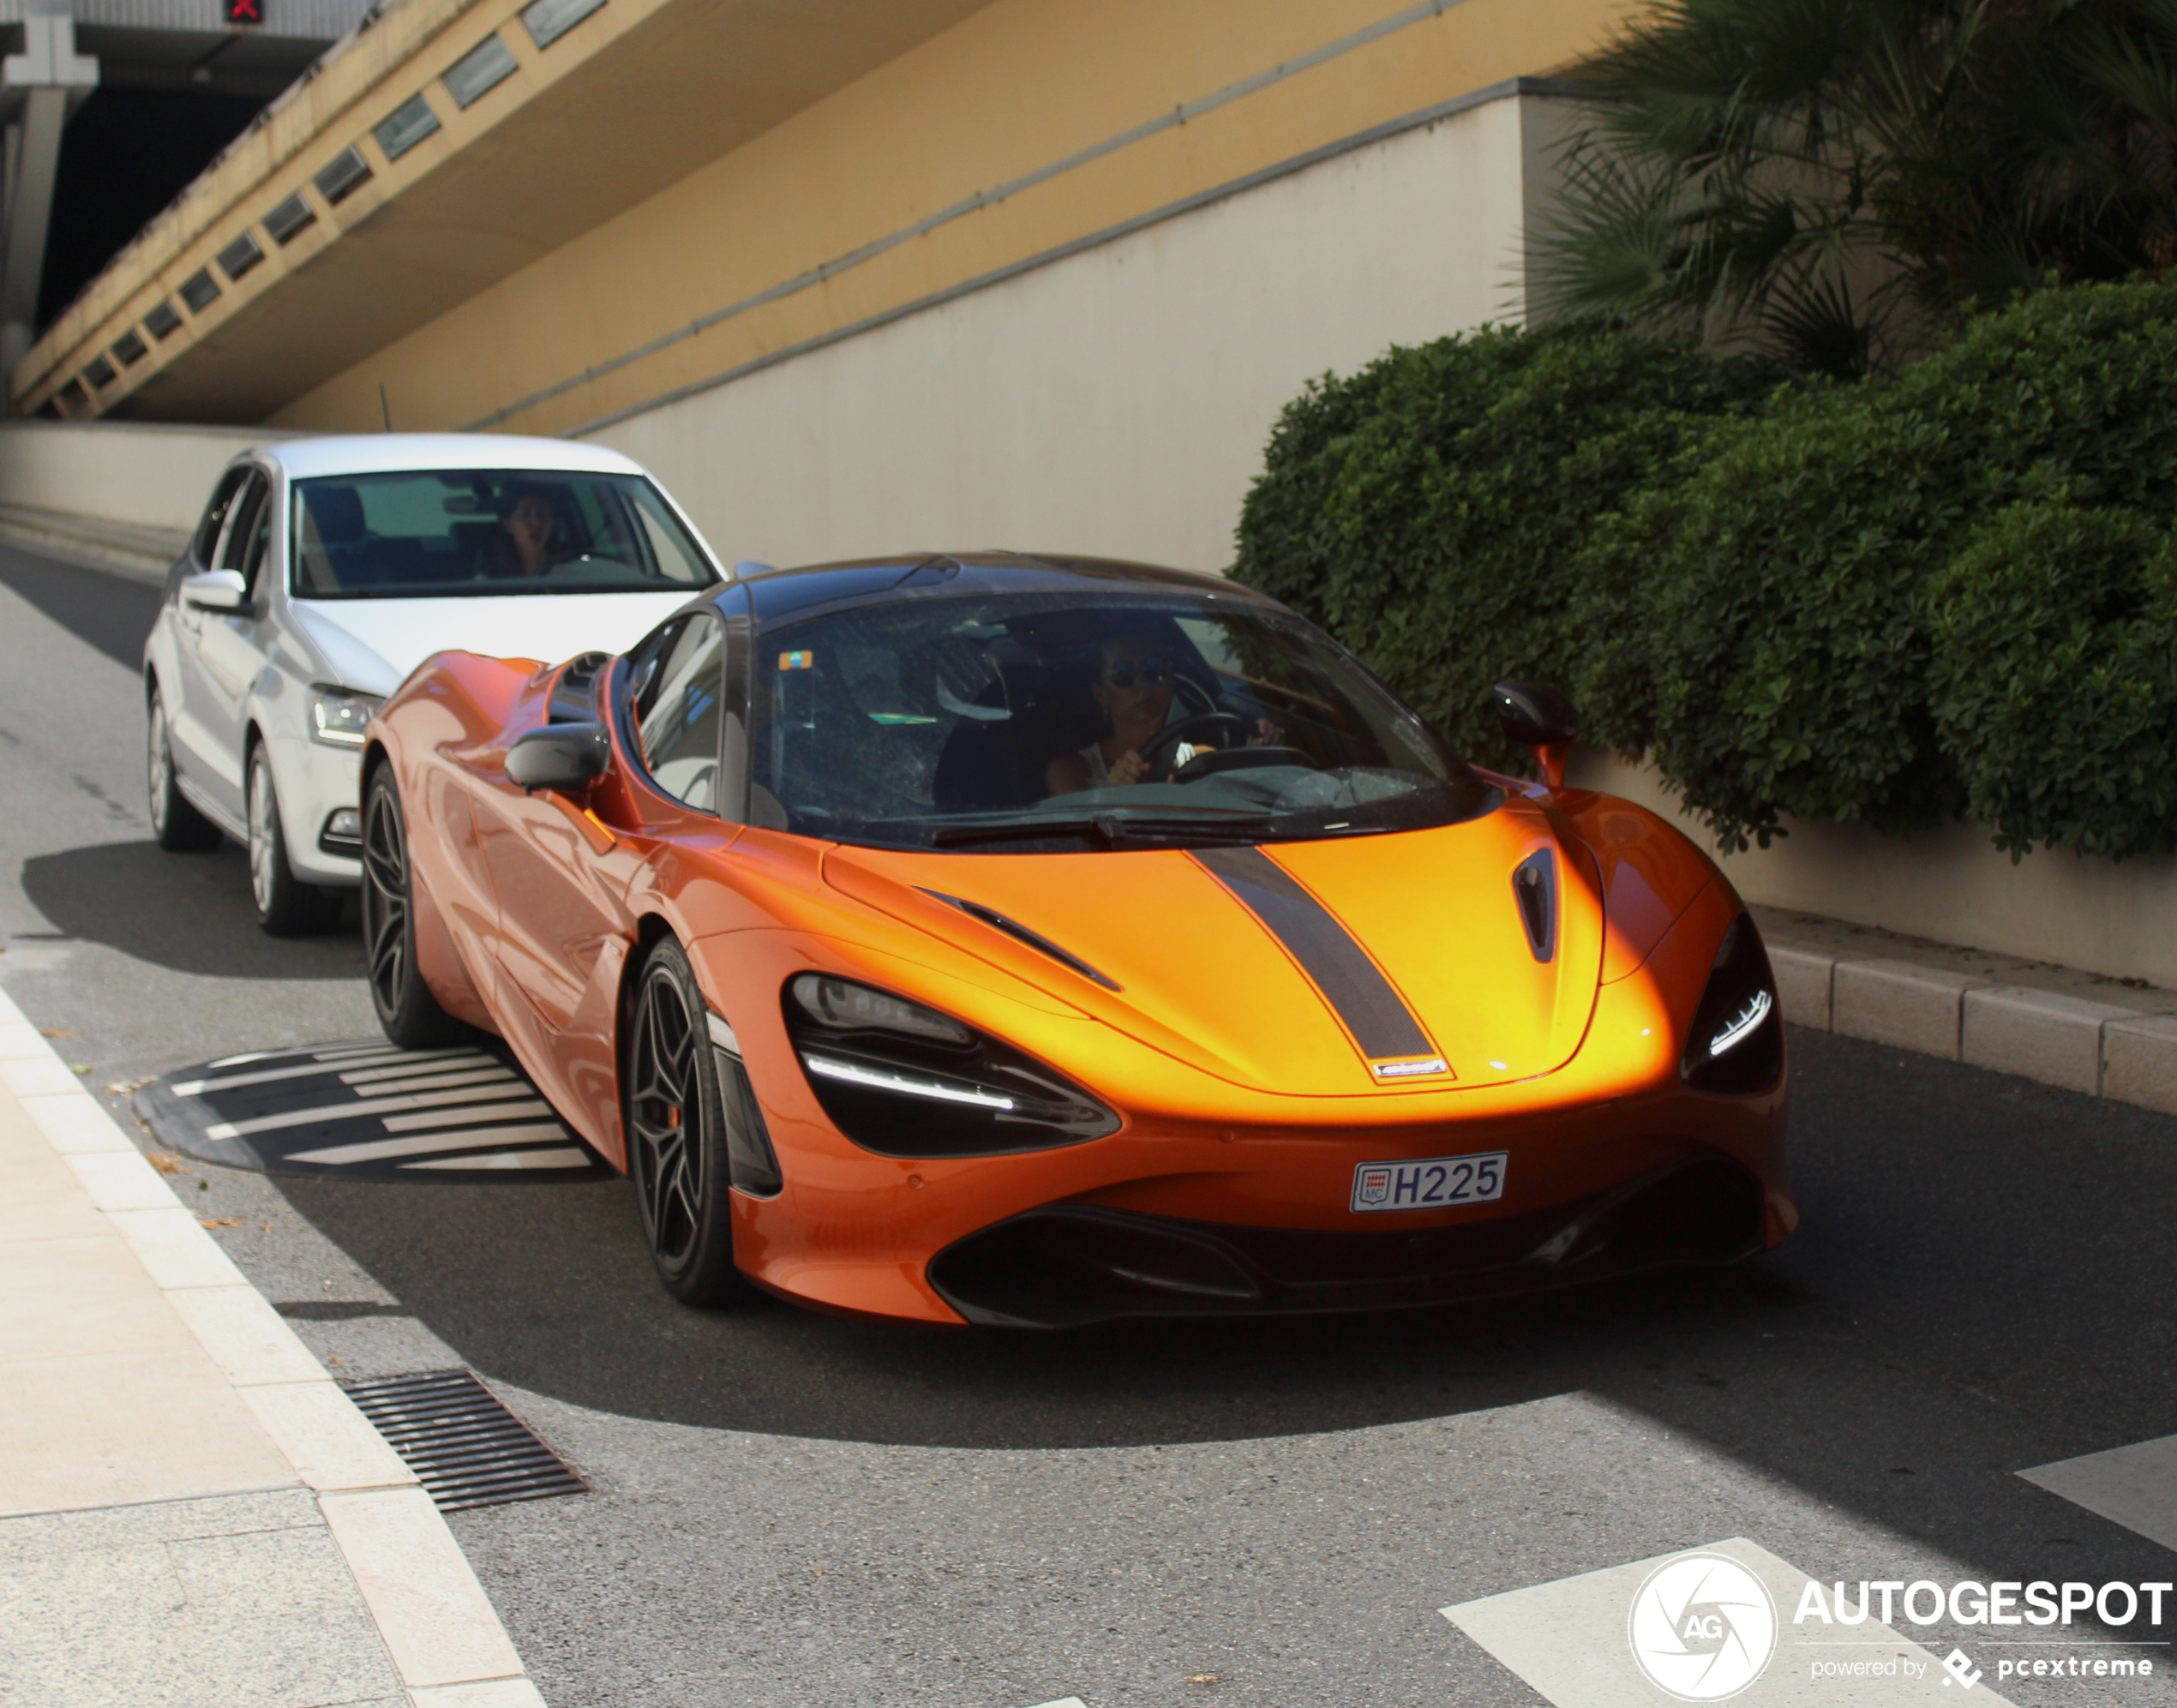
[(1114, 830)]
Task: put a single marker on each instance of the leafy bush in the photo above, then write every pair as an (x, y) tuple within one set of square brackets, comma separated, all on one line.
[(1430, 510), (1784, 645), (1787, 577), (2053, 680), (1890, 602)]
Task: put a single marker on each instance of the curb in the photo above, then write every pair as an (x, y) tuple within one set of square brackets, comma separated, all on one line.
[(2092, 1047), (445, 1642)]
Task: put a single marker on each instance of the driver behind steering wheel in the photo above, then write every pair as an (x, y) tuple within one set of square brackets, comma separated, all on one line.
[(1133, 687)]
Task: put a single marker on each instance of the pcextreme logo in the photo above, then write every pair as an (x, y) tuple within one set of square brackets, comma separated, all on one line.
[(1702, 1628)]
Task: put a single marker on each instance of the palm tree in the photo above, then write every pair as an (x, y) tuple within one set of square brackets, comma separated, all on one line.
[(1834, 181)]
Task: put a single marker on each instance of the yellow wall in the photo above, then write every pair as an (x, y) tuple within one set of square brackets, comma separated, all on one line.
[(1016, 87)]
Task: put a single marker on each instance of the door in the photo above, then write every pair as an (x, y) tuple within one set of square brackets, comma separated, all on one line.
[(231, 646), (562, 879), (198, 757)]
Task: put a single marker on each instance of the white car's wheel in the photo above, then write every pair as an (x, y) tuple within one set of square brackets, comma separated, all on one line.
[(286, 907), (176, 826)]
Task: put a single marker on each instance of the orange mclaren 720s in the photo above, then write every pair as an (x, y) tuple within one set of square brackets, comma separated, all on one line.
[(1037, 942)]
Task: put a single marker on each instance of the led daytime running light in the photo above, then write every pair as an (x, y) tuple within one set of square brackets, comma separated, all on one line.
[(878, 1079), (1742, 1023), (339, 716)]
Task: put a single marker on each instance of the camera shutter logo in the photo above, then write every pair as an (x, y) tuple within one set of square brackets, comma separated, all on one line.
[(1702, 1628)]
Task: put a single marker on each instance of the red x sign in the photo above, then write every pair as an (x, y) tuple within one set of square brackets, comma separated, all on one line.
[(245, 11)]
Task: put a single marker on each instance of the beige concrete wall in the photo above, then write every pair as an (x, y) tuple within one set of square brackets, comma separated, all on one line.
[(1116, 401), (155, 477), (2118, 917), (1023, 87)]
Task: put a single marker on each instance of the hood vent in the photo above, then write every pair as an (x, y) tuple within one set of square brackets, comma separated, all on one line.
[(1020, 933), (1534, 886)]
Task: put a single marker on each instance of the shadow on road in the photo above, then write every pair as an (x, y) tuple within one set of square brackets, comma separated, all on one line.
[(1980, 1283), (1995, 1240), (191, 913), (111, 609)]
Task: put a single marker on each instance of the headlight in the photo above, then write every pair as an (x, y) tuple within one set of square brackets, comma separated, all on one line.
[(1734, 1047), (338, 715), (903, 1080)]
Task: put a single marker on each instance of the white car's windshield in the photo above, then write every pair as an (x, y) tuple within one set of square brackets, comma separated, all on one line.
[(461, 532), (1015, 722)]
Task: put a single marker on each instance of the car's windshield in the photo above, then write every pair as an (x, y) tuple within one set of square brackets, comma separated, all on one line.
[(452, 533), (1019, 722)]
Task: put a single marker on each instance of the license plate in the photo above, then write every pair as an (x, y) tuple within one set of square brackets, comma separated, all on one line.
[(1433, 1182)]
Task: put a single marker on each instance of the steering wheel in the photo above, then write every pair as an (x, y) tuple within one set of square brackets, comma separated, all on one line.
[(1159, 747), (1213, 760)]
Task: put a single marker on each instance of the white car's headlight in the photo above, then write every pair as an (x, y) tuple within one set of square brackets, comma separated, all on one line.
[(338, 715)]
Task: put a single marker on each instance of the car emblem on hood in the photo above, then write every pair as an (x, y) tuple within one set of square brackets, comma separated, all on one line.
[(1410, 1070)]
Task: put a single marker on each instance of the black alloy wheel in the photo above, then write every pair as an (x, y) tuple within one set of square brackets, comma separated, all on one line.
[(407, 1011), (176, 826), (676, 1133)]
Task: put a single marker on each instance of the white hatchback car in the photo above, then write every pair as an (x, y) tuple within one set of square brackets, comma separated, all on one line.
[(325, 570)]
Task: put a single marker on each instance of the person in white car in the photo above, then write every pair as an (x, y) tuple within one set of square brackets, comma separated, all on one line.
[(324, 571)]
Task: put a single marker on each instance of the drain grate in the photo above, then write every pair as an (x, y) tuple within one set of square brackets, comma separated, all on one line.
[(467, 1448)]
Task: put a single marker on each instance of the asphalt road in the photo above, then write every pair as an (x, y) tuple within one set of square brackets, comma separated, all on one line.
[(791, 1509)]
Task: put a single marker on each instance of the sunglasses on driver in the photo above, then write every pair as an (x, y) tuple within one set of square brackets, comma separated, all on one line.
[(1124, 673)]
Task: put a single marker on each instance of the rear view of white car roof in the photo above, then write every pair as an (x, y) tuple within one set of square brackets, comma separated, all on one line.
[(370, 453)]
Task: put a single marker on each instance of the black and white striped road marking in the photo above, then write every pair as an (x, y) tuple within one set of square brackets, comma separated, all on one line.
[(365, 1109)]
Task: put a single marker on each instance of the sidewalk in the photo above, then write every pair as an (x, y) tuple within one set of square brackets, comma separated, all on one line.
[(191, 1512)]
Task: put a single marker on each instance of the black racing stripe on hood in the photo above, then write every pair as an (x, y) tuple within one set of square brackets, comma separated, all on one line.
[(1361, 996)]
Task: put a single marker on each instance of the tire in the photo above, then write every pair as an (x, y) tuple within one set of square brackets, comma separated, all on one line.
[(674, 1121), (176, 826), (286, 907), (408, 1012)]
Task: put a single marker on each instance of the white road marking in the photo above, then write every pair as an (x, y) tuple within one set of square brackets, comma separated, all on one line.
[(438, 1062), (432, 1081), (197, 1087), (567, 1156), (2134, 1486), (330, 1052), (477, 1138), (367, 1105), (490, 1112), (1568, 1640)]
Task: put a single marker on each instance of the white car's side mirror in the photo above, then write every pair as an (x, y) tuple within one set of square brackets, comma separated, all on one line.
[(216, 589)]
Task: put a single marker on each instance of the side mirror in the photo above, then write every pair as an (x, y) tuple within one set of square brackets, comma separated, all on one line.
[(568, 757), (1540, 718), (217, 590)]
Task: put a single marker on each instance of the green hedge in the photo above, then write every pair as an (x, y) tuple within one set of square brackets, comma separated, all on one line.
[(1893, 601), (1430, 511)]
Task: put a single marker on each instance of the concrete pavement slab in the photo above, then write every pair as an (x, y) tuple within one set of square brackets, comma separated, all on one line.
[(434, 1615), (158, 1419)]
